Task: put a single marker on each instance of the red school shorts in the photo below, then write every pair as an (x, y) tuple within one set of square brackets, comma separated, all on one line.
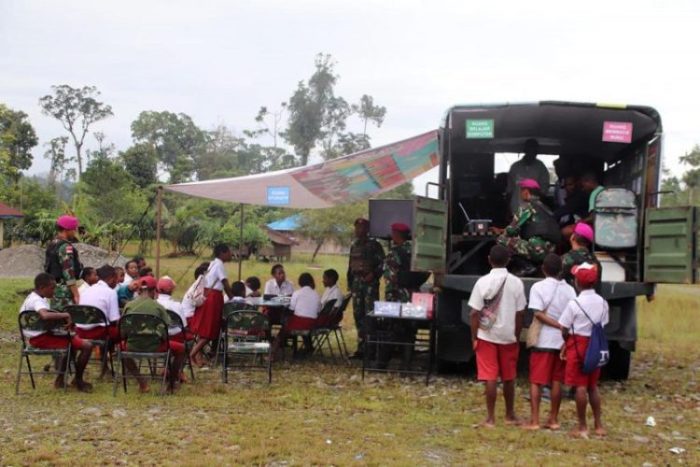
[(100, 332), (494, 360), (546, 367), (49, 341), (182, 337), (300, 323), (575, 352)]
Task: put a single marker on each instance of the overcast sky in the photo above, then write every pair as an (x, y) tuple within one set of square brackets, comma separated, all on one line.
[(219, 61)]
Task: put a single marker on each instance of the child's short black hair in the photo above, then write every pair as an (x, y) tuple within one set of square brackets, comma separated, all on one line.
[(106, 272), (220, 249), (201, 269), (253, 283), (499, 256), (275, 268), (147, 271), (306, 279), (131, 261), (332, 274), (238, 289), (86, 272), (42, 280), (552, 265)]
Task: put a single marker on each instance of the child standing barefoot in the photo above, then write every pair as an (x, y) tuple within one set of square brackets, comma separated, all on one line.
[(577, 324), (548, 299)]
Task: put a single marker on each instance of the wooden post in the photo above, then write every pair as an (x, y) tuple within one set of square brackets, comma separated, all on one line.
[(159, 208), (240, 248)]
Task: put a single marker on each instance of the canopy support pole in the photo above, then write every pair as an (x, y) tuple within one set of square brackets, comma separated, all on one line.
[(240, 248), (159, 209)]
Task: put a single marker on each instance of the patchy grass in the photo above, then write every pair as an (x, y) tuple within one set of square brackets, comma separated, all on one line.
[(317, 413)]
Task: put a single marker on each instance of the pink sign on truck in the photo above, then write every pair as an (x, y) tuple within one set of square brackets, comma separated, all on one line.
[(617, 132)]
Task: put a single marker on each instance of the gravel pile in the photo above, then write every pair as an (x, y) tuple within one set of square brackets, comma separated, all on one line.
[(28, 260)]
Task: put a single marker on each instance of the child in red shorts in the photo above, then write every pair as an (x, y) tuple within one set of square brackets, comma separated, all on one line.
[(576, 330), (548, 299), (496, 342), (44, 287)]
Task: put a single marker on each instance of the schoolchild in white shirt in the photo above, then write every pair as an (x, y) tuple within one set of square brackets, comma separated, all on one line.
[(495, 334), (548, 299), (577, 324)]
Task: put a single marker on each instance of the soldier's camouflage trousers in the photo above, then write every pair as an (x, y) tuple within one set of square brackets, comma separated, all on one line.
[(534, 249), (62, 297), (363, 297)]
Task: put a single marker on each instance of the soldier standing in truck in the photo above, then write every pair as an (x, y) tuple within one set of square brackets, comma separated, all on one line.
[(364, 270)]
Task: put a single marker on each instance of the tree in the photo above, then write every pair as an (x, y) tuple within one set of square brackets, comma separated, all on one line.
[(141, 161), (178, 142), (686, 189), (368, 112), (17, 138), (77, 109), (270, 122)]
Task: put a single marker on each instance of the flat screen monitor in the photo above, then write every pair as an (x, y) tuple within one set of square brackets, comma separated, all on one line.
[(384, 212)]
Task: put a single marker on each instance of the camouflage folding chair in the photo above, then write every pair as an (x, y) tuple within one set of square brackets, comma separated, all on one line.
[(177, 324), (143, 338), (616, 225), (31, 321), (245, 338), (90, 315)]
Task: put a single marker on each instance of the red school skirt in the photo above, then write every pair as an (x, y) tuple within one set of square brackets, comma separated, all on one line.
[(206, 322)]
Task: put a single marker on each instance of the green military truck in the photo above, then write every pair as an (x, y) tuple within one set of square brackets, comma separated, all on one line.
[(638, 243)]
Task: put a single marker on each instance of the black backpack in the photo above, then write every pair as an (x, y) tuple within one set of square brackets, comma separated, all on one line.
[(53, 266)]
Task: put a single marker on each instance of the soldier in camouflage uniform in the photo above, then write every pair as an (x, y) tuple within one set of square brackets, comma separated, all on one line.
[(63, 264), (581, 242), (534, 232), (364, 271)]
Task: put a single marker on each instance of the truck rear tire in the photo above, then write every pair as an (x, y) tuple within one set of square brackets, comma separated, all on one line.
[(618, 368)]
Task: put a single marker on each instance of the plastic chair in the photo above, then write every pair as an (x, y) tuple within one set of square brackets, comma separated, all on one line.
[(31, 321), (84, 314), (176, 322), (336, 327), (319, 335), (142, 337), (246, 334)]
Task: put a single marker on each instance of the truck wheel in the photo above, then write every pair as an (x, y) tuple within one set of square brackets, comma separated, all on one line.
[(618, 368)]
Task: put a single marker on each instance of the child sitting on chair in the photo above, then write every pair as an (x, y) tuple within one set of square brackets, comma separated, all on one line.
[(305, 304)]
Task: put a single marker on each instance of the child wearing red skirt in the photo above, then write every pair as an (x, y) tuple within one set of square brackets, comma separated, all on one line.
[(576, 330), (306, 304), (206, 322)]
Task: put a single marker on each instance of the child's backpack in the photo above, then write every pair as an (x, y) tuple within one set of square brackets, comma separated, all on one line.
[(597, 353)]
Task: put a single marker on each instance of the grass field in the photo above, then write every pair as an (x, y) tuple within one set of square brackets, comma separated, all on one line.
[(318, 413)]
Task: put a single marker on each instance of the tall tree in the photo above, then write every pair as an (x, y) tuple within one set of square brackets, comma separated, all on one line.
[(56, 154), (141, 161), (368, 112), (308, 108), (77, 109), (17, 138), (176, 139)]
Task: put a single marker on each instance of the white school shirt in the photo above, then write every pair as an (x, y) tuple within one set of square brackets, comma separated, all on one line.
[(34, 302), (332, 293), (187, 308), (215, 275), (127, 279), (305, 302), (173, 305), (595, 306), (103, 297), (512, 300), (553, 295), (271, 288)]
